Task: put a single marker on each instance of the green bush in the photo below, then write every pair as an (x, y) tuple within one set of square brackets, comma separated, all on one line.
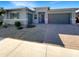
[(18, 25), (1, 23)]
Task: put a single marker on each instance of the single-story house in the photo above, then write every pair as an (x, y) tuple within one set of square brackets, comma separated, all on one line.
[(24, 15), (40, 15)]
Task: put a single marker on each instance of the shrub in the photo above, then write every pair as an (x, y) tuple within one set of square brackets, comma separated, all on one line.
[(18, 25), (1, 23)]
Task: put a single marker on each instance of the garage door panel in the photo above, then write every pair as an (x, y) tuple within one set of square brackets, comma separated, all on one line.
[(59, 18)]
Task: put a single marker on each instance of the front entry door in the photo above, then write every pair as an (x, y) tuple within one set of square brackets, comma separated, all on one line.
[(41, 17)]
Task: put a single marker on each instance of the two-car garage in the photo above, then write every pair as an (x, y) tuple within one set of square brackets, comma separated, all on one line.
[(59, 18)]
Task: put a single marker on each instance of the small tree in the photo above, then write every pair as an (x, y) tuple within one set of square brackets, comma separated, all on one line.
[(2, 12)]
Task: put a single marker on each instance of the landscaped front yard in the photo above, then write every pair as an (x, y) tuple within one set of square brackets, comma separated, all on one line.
[(62, 35)]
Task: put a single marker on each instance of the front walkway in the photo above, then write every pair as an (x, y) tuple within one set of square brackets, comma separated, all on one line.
[(17, 48)]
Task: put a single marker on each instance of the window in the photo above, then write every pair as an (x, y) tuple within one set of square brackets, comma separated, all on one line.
[(35, 16), (14, 15)]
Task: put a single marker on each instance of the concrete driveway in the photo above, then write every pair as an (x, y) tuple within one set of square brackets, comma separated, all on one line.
[(61, 35)]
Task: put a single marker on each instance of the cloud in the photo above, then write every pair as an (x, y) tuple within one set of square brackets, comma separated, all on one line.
[(23, 3)]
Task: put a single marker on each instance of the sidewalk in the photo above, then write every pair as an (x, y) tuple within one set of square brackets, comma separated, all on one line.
[(18, 48)]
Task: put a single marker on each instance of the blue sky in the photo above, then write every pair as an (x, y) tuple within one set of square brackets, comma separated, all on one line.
[(30, 4)]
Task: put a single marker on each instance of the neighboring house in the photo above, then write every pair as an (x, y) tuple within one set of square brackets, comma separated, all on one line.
[(41, 15)]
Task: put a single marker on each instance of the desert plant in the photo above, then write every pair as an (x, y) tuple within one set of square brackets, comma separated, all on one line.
[(18, 25)]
